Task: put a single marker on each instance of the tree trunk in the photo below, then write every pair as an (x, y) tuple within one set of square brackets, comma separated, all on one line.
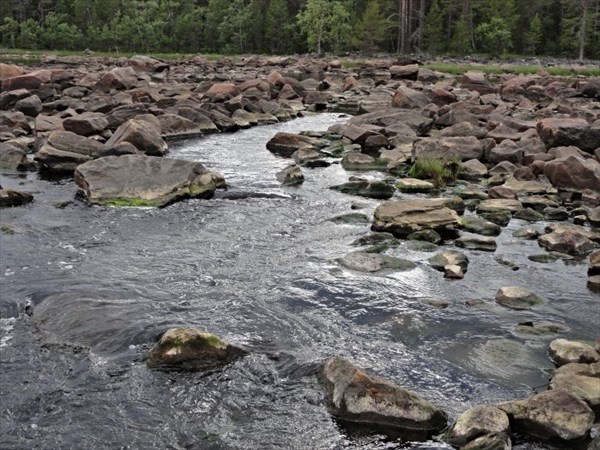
[(582, 28)]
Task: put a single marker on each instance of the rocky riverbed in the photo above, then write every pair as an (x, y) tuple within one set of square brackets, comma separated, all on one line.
[(366, 304)]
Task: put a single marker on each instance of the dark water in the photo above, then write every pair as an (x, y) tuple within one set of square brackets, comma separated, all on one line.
[(103, 283)]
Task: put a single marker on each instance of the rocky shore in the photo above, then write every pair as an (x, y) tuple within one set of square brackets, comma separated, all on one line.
[(510, 146)]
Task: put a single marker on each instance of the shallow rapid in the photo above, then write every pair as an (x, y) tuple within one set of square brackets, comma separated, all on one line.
[(85, 291)]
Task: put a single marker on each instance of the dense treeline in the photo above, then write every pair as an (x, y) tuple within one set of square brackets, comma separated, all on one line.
[(568, 28)]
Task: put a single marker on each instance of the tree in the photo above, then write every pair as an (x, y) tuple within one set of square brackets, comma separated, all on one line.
[(494, 37), (9, 31), (322, 22), (29, 36), (370, 30), (277, 26), (533, 38), (59, 35), (434, 35), (461, 38)]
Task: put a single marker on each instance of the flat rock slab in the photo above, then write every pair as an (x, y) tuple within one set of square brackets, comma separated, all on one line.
[(355, 396), (374, 262), (477, 242), (403, 217), (139, 180)]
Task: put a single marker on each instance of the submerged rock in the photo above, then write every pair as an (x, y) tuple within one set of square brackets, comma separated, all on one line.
[(138, 180), (10, 198), (517, 298), (553, 415), (374, 262), (477, 421), (191, 350), (365, 188), (354, 396)]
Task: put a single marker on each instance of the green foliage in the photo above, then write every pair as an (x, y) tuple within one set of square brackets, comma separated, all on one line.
[(461, 38), (533, 38), (370, 30), (439, 170), (277, 27), (58, 34), (324, 23), (494, 37), (434, 34)]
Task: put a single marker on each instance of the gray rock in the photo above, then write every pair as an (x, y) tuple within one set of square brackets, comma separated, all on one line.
[(193, 350), (465, 148), (499, 205), (365, 188), (285, 144), (374, 262), (12, 157), (585, 387), (414, 185), (10, 198), (564, 352), (477, 421), (449, 258), (480, 226), (354, 396), (86, 124), (138, 180), (64, 151), (526, 233), (142, 135), (360, 161), (517, 298), (30, 106), (290, 175), (567, 241), (553, 415), (493, 441), (476, 242)]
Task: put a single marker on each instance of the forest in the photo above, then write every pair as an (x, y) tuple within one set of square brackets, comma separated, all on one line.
[(561, 28)]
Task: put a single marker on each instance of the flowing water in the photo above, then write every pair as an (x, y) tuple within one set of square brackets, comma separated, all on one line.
[(87, 290)]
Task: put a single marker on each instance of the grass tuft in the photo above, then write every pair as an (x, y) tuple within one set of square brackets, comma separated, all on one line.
[(439, 170)]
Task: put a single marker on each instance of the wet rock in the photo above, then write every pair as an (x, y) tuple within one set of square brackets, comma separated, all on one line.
[(566, 131), (449, 258), (529, 215), (351, 219), (568, 241), (476, 242), (309, 158), (543, 258), (573, 173), (564, 352), (518, 298), (453, 272), (499, 205), (473, 169), (374, 263), (10, 198), (360, 161), (465, 148), (477, 421), (493, 441), (285, 144), (526, 233), (365, 188), (585, 387), (142, 135), (377, 238), (86, 124), (402, 217), (354, 396), (542, 329), (594, 264), (425, 235), (551, 415), (138, 180), (593, 283), (558, 214), (481, 226), (414, 185), (64, 151), (192, 350), (421, 246), (12, 157), (291, 175)]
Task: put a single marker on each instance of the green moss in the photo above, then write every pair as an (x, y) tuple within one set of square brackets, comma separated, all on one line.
[(131, 202)]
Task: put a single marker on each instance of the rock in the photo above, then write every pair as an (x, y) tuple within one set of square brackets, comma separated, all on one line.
[(64, 151), (10, 70), (365, 188), (593, 283), (138, 180), (220, 92), (425, 236), (360, 161), (594, 264), (586, 388), (310, 158), (374, 262), (481, 226), (473, 169), (394, 117), (502, 192), (12, 157), (570, 242), (573, 173), (148, 63), (48, 123), (499, 205), (377, 238), (86, 124), (402, 217), (408, 98), (530, 329), (556, 132), (449, 258), (493, 441), (517, 298), (530, 215), (285, 144), (552, 415), (118, 78), (564, 352), (558, 214), (406, 72), (291, 175), (465, 148), (543, 258), (453, 272), (193, 350), (30, 106), (477, 421), (142, 135), (476, 242), (354, 396), (31, 80), (174, 126), (414, 185), (526, 233), (501, 218), (352, 219), (10, 198)]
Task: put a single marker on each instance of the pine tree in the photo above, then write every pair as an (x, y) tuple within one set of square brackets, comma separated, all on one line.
[(277, 26), (434, 35), (370, 30), (533, 38), (461, 38)]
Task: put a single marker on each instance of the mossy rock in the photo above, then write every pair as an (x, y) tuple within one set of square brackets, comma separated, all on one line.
[(543, 258), (193, 350), (422, 246)]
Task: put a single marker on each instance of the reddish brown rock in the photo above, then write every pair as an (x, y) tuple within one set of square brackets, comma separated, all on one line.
[(556, 132), (573, 173)]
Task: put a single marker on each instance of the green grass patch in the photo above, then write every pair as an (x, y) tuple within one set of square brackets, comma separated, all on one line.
[(26, 55), (490, 69), (439, 170)]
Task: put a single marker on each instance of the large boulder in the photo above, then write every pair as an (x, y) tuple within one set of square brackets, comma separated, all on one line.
[(567, 241), (518, 298), (408, 98), (64, 151), (191, 350), (12, 157), (174, 126), (30, 106), (31, 80), (357, 397), (556, 132), (86, 124), (573, 173), (403, 217), (139, 180), (563, 351), (585, 384), (285, 144), (118, 78), (553, 415), (394, 117), (465, 148), (142, 135)]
